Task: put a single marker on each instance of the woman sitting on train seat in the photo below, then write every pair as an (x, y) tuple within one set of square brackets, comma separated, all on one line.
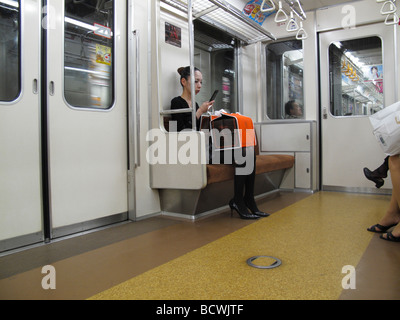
[(293, 110), (240, 203), (378, 174), (392, 217), (184, 120)]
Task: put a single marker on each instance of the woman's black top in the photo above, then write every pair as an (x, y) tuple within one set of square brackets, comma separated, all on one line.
[(184, 120)]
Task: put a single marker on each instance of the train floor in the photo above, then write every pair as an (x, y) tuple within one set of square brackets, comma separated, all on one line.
[(319, 238)]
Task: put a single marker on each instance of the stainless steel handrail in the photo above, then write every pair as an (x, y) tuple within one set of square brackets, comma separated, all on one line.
[(138, 114), (191, 53), (176, 111), (236, 13), (231, 10)]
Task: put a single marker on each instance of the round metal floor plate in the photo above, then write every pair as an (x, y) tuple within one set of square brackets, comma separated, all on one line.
[(275, 264)]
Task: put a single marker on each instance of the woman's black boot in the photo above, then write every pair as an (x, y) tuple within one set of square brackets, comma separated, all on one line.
[(378, 174), (370, 175), (249, 193), (237, 202)]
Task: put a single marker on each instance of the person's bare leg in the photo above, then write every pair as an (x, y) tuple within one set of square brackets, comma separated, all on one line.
[(394, 166), (392, 216)]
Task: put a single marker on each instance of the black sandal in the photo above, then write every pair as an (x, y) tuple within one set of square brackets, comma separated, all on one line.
[(390, 237), (383, 229)]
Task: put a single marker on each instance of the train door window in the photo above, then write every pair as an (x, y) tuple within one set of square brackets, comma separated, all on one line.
[(10, 60), (284, 78), (89, 54), (356, 77)]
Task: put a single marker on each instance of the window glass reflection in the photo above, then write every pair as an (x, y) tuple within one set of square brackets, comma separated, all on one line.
[(285, 66), (10, 79), (356, 77), (215, 56), (89, 53)]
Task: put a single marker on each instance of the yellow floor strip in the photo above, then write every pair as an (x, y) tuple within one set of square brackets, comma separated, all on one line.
[(315, 238)]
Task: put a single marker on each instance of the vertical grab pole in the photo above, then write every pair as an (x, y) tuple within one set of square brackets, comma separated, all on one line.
[(137, 101), (396, 61), (191, 53), (134, 100)]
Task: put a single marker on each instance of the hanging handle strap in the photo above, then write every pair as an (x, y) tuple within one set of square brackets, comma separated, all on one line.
[(282, 13), (392, 19), (270, 9), (391, 9), (301, 33), (292, 25)]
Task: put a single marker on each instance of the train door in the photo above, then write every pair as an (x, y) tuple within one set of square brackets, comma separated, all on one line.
[(357, 79), (20, 159), (87, 116), (63, 118)]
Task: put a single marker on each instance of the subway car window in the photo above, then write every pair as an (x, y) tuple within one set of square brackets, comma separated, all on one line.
[(216, 57), (284, 78), (224, 79), (356, 77), (89, 54), (10, 79)]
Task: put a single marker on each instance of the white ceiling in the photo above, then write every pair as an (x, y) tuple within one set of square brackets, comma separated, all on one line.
[(309, 5)]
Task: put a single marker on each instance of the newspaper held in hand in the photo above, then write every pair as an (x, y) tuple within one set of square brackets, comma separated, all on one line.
[(386, 128)]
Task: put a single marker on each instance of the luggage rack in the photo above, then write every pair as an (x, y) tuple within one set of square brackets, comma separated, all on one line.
[(225, 17)]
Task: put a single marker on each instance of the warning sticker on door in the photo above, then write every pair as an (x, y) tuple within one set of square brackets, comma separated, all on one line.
[(102, 31)]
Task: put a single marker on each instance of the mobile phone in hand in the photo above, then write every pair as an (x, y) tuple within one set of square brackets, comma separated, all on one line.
[(214, 95)]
